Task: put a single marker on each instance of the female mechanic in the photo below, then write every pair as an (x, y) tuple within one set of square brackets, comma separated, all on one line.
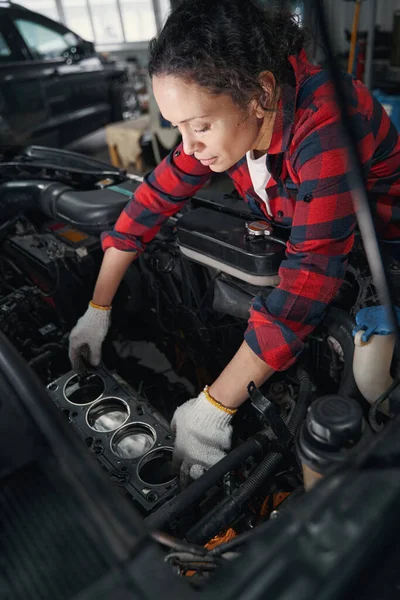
[(235, 79)]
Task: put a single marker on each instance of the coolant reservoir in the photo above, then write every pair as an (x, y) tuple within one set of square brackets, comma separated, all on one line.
[(374, 344)]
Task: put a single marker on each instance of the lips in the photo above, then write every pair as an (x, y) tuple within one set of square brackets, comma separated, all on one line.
[(207, 161)]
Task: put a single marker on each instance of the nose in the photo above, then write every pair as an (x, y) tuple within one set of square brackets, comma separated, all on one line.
[(190, 144)]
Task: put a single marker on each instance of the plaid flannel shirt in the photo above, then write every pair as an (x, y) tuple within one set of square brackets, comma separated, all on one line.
[(307, 153)]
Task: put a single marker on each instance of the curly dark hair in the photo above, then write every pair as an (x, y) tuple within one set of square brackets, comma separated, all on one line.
[(224, 45)]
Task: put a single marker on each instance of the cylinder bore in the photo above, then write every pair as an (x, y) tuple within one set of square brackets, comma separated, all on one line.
[(107, 414), (133, 440), (156, 467), (84, 390)]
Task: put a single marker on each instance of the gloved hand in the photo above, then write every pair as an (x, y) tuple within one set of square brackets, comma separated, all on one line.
[(203, 433), (87, 337)]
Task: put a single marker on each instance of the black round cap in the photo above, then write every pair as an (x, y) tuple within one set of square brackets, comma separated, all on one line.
[(335, 420), (333, 425)]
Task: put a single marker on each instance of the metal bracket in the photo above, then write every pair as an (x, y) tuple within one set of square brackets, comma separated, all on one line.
[(269, 414)]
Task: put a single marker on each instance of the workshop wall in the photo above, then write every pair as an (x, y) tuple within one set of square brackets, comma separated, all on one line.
[(340, 17)]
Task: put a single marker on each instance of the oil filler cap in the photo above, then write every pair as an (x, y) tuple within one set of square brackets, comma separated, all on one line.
[(335, 420), (333, 426), (259, 228)]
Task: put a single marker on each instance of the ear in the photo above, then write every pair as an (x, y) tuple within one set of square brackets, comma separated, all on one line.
[(266, 98)]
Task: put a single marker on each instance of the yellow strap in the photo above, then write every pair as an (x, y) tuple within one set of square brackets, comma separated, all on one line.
[(98, 306), (230, 411)]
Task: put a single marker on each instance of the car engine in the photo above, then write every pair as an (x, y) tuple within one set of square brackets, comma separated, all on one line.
[(182, 305)]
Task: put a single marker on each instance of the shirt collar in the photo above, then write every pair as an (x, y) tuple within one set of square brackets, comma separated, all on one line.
[(287, 105)]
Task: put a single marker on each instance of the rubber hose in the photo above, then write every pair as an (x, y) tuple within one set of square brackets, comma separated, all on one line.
[(21, 196), (230, 508), (52, 347), (196, 490), (45, 357), (340, 325), (303, 400), (46, 353), (335, 314), (348, 386)]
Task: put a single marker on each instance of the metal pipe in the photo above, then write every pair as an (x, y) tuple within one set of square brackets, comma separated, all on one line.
[(370, 44), (61, 13), (354, 31)]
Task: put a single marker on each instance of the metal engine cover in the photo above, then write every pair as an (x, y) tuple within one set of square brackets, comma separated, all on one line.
[(223, 242)]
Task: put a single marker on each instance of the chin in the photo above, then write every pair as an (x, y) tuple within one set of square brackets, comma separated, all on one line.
[(221, 166)]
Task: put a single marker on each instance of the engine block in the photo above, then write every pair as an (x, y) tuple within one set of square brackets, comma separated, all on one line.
[(131, 440)]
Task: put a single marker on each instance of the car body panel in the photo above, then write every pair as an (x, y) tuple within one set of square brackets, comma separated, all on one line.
[(50, 100)]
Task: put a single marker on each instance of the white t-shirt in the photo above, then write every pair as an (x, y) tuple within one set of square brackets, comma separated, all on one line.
[(259, 176)]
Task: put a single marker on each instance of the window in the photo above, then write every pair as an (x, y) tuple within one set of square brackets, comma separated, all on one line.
[(139, 20), (48, 8), (43, 41), (106, 21), (165, 9), (77, 18), (298, 10), (4, 47)]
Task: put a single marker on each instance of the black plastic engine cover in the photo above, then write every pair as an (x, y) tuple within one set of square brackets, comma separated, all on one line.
[(92, 211), (222, 241)]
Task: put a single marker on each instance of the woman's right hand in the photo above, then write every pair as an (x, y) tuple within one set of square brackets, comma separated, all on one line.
[(86, 338)]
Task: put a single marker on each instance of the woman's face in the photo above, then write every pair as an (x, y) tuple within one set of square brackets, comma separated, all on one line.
[(213, 128)]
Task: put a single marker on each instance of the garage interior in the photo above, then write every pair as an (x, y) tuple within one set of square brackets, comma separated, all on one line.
[(303, 500)]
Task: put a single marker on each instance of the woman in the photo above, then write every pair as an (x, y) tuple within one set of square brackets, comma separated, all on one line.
[(235, 80)]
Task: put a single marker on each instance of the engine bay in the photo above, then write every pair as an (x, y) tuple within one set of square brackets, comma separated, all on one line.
[(178, 318)]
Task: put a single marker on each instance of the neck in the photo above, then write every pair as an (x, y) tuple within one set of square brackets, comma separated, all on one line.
[(263, 140), (264, 137)]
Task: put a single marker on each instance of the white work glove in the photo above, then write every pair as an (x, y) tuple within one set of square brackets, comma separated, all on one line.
[(87, 337), (203, 433)]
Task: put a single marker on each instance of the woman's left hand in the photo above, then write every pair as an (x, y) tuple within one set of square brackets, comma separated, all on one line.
[(203, 433)]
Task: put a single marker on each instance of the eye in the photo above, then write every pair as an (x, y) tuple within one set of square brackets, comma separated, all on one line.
[(206, 128)]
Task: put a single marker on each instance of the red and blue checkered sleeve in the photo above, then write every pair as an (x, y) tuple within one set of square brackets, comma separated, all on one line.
[(163, 192), (321, 238)]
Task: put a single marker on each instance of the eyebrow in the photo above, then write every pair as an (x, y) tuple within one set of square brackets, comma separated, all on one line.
[(191, 119)]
